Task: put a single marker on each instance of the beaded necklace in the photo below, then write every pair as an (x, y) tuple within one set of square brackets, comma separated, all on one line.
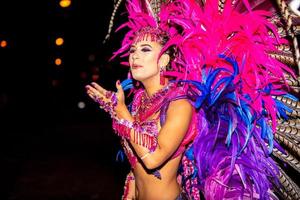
[(147, 106)]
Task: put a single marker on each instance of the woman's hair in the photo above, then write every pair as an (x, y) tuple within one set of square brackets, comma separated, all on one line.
[(155, 35)]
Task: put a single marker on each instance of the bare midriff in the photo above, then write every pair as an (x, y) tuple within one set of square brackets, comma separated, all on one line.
[(149, 187)]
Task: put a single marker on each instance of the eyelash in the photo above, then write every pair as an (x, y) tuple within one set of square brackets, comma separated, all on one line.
[(143, 50)]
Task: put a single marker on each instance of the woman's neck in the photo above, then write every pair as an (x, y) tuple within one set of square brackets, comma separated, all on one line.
[(152, 88)]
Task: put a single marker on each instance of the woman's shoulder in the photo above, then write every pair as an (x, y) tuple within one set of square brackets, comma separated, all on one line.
[(181, 104)]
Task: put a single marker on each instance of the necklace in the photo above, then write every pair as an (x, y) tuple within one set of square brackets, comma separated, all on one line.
[(149, 105)]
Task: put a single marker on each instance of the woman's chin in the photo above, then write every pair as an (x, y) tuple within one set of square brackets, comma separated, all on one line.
[(138, 78)]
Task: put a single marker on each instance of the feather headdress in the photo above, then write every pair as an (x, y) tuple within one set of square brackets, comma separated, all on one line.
[(224, 54)]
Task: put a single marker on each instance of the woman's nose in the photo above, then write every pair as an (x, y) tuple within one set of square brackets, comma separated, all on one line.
[(134, 56)]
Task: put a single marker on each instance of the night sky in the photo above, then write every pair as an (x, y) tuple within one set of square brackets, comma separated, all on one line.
[(56, 143)]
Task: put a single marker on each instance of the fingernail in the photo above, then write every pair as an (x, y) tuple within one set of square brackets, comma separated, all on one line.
[(118, 82)]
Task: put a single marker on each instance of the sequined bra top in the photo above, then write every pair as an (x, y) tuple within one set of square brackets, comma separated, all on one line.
[(144, 107)]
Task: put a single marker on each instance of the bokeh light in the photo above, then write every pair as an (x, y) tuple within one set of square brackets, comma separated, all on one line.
[(81, 105), (58, 61), (65, 3), (59, 41), (3, 43)]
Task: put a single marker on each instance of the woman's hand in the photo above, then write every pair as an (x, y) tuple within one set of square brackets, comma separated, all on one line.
[(112, 102)]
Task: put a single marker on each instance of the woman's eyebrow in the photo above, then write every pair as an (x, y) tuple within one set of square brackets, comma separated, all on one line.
[(146, 45), (142, 45)]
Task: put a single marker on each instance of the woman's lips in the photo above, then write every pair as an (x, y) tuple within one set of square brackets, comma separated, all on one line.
[(136, 66)]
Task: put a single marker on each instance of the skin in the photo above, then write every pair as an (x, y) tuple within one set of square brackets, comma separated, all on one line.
[(145, 67)]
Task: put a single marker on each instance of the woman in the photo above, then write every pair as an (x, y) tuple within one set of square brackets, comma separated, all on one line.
[(146, 65), (201, 127)]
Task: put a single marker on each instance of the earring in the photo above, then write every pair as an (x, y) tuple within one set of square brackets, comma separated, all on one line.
[(162, 78), (129, 74)]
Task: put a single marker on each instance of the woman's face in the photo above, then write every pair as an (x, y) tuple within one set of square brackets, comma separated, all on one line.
[(143, 60)]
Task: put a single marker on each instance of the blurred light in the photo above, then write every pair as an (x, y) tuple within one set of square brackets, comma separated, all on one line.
[(83, 75), (3, 43), (81, 105), (58, 61), (55, 83), (95, 77), (95, 73), (95, 69), (92, 58), (65, 3), (59, 41)]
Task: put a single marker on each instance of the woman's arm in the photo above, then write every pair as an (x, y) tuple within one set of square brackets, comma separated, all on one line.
[(171, 134)]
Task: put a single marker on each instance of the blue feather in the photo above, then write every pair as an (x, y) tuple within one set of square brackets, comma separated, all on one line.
[(121, 155), (268, 89), (212, 77), (270, 137), (282, 109), (204, 92), (233, 62), (246, 110), (127, 84), (290, 96), (262, 123), (248, 137), (214, 93), (230, 131), (190, 153)]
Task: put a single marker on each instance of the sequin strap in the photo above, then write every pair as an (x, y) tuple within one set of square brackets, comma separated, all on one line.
[(129, 178), (129, 153)]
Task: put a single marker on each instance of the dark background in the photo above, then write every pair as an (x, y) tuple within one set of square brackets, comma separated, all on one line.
[(50, 147)]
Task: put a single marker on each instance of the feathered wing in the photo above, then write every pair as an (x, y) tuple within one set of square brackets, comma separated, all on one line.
[(287, 132), (250, 123)]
